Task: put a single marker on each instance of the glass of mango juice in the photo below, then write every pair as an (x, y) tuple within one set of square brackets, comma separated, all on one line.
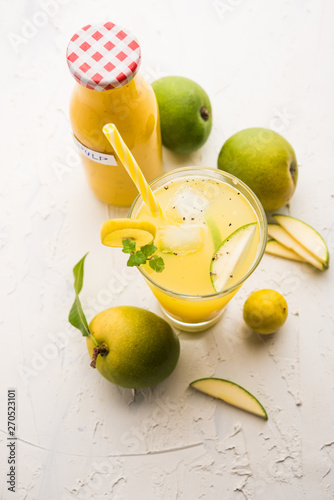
[(212, 238)]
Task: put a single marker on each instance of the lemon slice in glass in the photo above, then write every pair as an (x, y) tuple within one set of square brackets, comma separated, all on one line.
[(115, 231)]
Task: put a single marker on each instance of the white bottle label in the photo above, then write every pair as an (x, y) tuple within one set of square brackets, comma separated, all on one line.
[(103, 158)]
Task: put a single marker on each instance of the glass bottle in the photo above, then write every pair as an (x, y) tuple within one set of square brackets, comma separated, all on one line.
[(104, 60)]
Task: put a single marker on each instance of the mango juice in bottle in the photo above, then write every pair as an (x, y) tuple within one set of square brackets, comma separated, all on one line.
[(104, 60)]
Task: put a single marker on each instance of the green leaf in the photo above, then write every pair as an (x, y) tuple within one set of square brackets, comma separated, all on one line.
[(128, 246), (148, 250), (76, 316), (78, 272), (139, 254), (139, 257), (78, 319), (134, 260), (157, 264)]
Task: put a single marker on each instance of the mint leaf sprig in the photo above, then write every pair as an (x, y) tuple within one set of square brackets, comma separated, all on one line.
[(139, 257)]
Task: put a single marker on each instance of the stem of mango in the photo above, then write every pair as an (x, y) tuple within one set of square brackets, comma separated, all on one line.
[(102, 350), (93, 339)]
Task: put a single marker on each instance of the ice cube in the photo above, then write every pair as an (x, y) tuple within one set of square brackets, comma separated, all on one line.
[(180, 240), (188, 205)]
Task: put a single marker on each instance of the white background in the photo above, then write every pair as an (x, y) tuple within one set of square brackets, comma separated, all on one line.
[(264, 64)]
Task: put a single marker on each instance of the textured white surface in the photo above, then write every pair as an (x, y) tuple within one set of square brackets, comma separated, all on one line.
[(263, 64)]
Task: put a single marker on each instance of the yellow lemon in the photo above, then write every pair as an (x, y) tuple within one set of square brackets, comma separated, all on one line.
[(115, 231), (265, 311)]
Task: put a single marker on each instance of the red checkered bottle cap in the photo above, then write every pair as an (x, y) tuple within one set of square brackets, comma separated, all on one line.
[(103, 56)]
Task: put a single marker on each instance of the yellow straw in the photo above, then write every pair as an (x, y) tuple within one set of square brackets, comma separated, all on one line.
[(133, 169)]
